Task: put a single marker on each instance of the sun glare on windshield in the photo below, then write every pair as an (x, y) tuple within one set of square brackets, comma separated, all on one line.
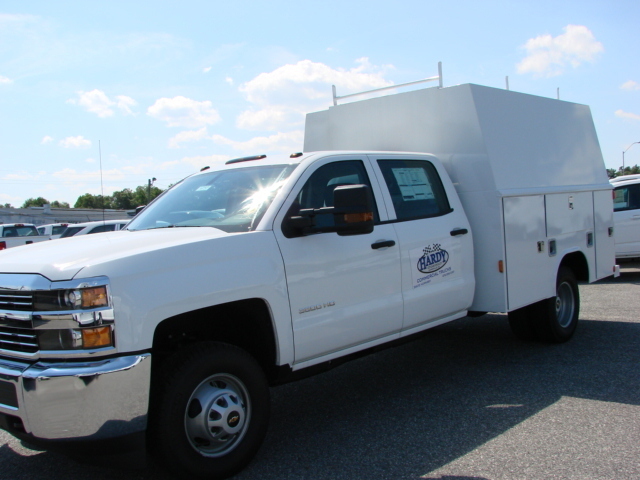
[(230, 200)]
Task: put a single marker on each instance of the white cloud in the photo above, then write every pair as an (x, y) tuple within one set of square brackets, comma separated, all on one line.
[(206, 70), (11, 200), (46, 139), (96, 101), (229, 80), (280, 142), (630, 85), (271, 118), (5, 80), (282, 97), (125, 103), (183, 112), (549, 56), (629, 115), (18, 176), (75, 142), (188, 136)]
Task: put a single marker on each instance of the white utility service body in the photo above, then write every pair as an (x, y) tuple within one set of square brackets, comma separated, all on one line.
[(244, 275), (528, 170)]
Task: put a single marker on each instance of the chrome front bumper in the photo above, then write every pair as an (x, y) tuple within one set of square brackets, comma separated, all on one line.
[(95, 399)]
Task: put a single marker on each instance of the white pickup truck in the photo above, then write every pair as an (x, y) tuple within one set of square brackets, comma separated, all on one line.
[(268, 268), (16, 234)]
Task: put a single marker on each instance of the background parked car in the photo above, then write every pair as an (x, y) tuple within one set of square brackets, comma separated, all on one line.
[(52, 230), (626, 215), (17, 234), (93, 227)]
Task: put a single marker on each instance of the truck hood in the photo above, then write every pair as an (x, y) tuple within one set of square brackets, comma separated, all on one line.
[(64, 258)]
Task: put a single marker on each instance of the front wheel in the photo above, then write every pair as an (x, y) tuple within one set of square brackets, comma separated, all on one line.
[(213, 411)]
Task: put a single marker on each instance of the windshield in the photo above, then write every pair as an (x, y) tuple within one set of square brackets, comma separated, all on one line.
[(230, 200)]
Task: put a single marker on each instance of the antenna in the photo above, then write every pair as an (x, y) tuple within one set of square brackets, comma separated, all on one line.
[(101, 184)]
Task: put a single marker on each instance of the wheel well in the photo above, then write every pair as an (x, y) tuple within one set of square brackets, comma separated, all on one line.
[(245, 324), (578, 264)]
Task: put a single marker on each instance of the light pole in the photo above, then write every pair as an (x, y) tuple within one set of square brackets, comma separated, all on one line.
[(152, 180), (625, 151)]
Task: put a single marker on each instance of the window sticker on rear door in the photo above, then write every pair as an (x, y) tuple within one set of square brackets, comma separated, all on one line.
[(413, 183), (433, 263)]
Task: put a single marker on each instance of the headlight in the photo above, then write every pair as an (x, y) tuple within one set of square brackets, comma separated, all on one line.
[(72, 299), (76, 338), (79, 317), (86, 297)]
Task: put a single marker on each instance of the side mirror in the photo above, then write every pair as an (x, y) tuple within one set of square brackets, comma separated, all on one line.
[(353, 210), (352, 214)]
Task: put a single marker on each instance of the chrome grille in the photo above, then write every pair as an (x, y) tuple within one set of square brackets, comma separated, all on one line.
[(18, 340), (16, 300)]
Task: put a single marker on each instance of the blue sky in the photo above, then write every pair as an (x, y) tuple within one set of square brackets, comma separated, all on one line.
[(161, 89)]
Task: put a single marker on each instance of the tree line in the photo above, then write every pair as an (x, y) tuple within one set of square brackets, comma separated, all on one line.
[(125, 199), (613, 173)]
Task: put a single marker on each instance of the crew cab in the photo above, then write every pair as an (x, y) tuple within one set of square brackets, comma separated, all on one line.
[(256, 272)]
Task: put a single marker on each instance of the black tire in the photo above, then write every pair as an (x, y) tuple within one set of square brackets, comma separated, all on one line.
[(213, 411), (553, 320), (558, 317)]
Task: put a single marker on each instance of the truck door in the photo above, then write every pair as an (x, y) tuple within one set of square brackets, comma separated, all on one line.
[(344, 290), (434, 238)]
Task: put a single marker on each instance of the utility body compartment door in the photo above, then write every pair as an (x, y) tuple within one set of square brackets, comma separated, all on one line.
[(539, 230), (527, 259)]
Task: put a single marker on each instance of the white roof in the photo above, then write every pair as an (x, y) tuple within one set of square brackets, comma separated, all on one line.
[(625, 180), (487, 138)]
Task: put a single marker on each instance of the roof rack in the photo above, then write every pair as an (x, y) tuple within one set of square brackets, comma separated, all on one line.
[(430, 79)]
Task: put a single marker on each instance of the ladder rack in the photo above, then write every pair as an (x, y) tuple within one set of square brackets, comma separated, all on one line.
[(430, 79)]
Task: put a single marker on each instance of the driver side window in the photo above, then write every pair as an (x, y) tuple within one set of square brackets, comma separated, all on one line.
[(317, 192)]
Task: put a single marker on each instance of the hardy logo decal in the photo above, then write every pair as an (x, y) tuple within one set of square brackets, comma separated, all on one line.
[(433, 259), (435, 262)]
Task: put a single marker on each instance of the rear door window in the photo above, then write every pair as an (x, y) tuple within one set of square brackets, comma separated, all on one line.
[(416, 189)]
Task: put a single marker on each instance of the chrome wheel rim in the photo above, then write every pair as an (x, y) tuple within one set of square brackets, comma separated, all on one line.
[(565, 305), (217, 415)]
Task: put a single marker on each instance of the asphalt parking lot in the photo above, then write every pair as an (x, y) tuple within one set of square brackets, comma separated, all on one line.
[(466, 401)]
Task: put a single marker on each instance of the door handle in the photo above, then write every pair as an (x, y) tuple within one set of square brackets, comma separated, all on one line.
[(383, 244), (459, 231)]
